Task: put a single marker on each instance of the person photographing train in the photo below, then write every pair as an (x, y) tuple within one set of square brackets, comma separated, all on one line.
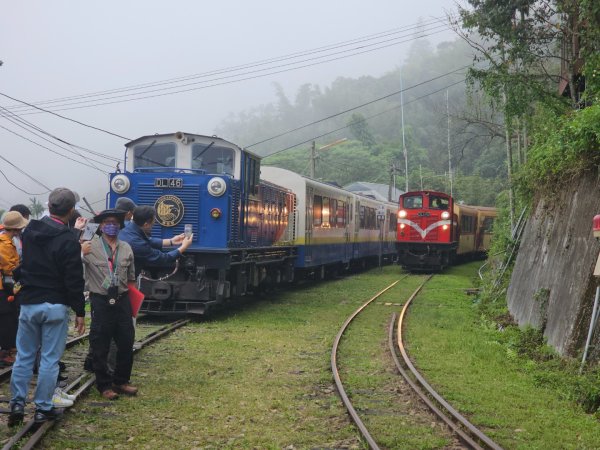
[(146, 249), (109, 267)]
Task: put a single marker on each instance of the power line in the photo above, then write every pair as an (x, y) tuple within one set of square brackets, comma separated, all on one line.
[(63, 117), (19, 188), (357, 107), (365, 119), (89, 160), (49, 149), (243, 66), (70, 107), (35, 127), (25, 173)]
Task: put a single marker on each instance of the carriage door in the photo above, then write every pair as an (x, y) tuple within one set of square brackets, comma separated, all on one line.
[(308, 226)]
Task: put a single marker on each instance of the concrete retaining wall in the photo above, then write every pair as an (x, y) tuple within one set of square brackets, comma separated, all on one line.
[(552, 286)]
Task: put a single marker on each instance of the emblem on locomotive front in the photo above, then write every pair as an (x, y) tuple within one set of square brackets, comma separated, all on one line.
[(169, 210)]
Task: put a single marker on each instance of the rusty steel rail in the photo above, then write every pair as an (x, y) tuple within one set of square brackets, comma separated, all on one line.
[(7, 371), (336, 376), (469, 433), (83, 383)]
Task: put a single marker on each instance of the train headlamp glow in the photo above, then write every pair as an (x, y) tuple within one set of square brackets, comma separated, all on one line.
[(216, 186), (445, 215), (402, 226), (120, 184), (402, 214), (215, 213), (444, 227)]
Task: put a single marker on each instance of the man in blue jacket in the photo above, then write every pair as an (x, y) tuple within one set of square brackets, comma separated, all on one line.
[(51, 276), (147, 251)]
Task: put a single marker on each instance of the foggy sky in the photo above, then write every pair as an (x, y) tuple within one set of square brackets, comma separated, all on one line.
[(59, 48)]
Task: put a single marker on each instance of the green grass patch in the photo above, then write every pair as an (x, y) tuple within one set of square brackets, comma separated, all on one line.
[(499, 378)]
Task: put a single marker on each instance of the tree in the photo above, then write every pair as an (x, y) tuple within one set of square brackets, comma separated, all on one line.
[(36, 207), (360, 130)]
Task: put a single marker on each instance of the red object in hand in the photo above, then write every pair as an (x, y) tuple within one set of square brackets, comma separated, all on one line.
[(136, 299), (10, 298)]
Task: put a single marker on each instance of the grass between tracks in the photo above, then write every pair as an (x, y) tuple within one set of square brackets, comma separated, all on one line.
[(474, 366), (259, 377)]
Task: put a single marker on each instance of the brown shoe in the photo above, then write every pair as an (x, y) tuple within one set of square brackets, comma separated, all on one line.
[(109, 394), (126, 389)]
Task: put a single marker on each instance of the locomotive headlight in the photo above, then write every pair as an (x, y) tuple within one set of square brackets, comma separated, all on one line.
[(216, 186), (120, 184), (402, 214), (445, 215)]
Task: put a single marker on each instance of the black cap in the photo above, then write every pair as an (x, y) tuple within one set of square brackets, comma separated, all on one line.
[(116, 213), (61, 201), (125, 204)]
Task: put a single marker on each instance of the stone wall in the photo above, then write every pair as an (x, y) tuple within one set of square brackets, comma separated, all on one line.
[(552, 286)]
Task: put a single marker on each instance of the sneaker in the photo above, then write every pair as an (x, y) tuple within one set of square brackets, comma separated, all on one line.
[(44, 416), (17, 412), (62, 394), (59, 402)]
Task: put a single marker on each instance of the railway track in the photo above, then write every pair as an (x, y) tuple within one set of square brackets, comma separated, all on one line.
[(30, 435), (466, 432)]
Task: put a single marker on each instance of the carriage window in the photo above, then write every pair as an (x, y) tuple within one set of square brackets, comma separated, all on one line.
[(155, 155), (437, 202), (212, 158), (332, 212), (317, 210), (340, 214), (362, 216), (413, 202), (467, 224), (326, 212), (488, 225)]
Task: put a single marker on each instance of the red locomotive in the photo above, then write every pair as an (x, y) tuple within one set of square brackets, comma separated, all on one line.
[(434, 230)]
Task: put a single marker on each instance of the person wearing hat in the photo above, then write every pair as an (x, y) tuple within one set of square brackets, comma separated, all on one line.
[(127, 205), (108, 270), (13, 224), (51, 276)]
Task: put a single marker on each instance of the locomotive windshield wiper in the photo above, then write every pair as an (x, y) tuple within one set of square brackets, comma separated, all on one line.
[(203, 151), (152, 161), (147, 148)]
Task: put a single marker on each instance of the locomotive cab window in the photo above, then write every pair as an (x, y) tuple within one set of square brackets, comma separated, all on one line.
[(154, 155), (437, 202), (213, 158), (413, 202)]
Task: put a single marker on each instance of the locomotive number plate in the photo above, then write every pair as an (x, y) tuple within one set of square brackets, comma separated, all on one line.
[(168, 182), (423, 214)]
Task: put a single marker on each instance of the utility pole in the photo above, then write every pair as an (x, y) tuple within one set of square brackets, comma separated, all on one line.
[(449, 154), (392, 184), (313, 160), (403, 140)]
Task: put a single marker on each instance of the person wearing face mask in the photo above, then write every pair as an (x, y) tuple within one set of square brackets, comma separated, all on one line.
[(13, 224), (147, 250), (109, 268), (51, 276)]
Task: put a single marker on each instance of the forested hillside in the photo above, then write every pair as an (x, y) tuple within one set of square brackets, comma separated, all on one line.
[(374, 131)]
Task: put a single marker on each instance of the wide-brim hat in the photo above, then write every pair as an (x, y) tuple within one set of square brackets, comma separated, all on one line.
[(13, 220), (116, 213)]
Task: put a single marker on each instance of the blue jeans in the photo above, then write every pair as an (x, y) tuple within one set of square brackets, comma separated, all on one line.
[(41, 327)]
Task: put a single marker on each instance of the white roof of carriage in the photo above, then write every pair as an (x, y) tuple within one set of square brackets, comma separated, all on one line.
[(374, 190)]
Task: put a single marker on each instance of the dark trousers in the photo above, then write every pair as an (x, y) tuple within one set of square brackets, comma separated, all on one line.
[(9, 321), (111, 322)]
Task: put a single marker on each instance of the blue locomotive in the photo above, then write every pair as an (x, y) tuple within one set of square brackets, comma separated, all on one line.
[(248, 232)]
